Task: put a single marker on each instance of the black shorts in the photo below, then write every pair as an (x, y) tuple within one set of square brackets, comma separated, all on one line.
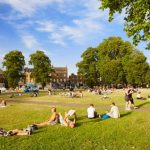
[(126, 98), (131, 100)]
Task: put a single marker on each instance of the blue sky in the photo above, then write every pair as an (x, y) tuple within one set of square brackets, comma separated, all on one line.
[(63, 29)]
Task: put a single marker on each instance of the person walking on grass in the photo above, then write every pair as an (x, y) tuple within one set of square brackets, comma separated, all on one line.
[(129, 99)]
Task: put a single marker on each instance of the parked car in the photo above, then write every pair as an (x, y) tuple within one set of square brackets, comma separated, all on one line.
[(31, 88)]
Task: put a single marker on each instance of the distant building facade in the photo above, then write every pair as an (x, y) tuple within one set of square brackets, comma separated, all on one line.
[(60, 74), (59, 78), (75, 80)]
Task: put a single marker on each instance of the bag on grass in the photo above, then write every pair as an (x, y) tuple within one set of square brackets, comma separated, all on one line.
[(105, 116)]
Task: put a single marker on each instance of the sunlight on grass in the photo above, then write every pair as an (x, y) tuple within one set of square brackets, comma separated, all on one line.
[(126, 133)]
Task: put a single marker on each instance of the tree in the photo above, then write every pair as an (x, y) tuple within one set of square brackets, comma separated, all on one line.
[(87, 67), (41, 67), (136, 68), (137, 18), (114, 61), (14, 64), (111, 54)]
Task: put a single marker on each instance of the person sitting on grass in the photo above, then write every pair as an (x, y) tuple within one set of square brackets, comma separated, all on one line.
[(114, 112), (66, 121), (91, 112), (54, 119), (139, 97)]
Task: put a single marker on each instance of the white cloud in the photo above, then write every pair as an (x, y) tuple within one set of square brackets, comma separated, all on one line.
[(81, 29), (29, 7), (57, 39), (30, 41), (46, 26)]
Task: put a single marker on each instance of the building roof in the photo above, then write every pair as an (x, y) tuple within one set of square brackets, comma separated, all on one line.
[(60, 68), (28, 69)]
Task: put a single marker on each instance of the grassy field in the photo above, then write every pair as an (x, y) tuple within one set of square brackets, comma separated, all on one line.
[(129, 132)]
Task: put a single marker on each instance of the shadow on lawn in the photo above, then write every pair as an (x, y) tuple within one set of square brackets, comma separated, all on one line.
[(84, 119), (125, 114), (140, 105)]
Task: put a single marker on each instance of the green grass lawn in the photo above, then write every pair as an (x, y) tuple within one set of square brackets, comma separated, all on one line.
[(129, 132)]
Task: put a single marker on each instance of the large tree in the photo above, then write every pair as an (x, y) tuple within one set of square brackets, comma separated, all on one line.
[(111, 54), (136, 68), (137, 17), (88, 68), (114, 61), (14, 64), (41, 67)]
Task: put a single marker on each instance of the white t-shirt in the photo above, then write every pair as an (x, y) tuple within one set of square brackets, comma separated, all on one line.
[(138, 96), (71, 112), (91, 112), (114, 112)]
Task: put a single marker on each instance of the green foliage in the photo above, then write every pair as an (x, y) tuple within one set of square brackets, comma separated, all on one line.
[(87, 67), (112, 52), (115, 61), (41, 67), (137, 18), (14, 63), (136, 68)]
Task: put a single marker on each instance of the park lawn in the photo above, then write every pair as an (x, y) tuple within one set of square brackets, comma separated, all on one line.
[(117, 96), (131, 131)]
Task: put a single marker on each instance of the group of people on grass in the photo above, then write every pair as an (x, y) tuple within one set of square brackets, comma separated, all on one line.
[(73, 94), (69, 120), (113, 113)]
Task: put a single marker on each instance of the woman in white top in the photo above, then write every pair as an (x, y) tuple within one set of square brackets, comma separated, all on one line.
[(114, 111)]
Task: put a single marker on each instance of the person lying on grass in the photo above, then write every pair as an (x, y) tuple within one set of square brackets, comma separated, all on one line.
[(15, 132), (66, 121), (114, 112), (54, 119)]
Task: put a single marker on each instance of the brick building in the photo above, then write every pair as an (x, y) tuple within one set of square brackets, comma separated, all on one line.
[(60, 74), (75, 80), (58, 77)]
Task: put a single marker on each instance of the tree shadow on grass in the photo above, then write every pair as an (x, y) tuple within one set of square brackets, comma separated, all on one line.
[(140, 105), (82, 117), (125, 114), (87, 121)]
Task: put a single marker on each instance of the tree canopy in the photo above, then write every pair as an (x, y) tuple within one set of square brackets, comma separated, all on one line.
[(137, 17), (88, 68), (14, 64), (41, 67), (114, 61)]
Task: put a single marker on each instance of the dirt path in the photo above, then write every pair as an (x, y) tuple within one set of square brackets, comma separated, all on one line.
[(140, 109)]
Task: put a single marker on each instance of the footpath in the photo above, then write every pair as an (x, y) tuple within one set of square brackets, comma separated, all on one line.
[(140, 107)]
